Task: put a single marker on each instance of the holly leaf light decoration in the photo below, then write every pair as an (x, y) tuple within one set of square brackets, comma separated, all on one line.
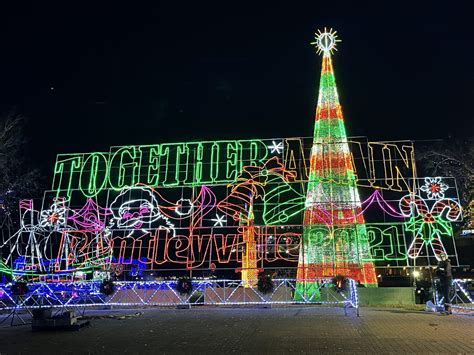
[(429, 224)]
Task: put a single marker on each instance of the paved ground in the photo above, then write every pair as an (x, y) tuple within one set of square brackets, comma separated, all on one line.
[(254, 330)]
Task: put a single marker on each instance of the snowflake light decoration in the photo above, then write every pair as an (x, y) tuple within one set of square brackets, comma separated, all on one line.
[(276, 147), (53, 217), (434, 188), (219, 221)]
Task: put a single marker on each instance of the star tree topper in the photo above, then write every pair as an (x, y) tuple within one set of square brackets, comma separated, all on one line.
[(326, 41)]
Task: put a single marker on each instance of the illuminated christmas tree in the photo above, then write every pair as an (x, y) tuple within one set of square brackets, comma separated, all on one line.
[(335, 239)]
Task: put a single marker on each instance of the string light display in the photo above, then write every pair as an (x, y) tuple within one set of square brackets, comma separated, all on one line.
[(90, 217), (387, 165), (434, 188), (164, 293), (276, 147), (429, 224), (54, 216), (249, 254), (291, 205), (332, 196)]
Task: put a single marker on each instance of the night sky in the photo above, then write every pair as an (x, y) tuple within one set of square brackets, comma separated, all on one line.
[(91, 77)]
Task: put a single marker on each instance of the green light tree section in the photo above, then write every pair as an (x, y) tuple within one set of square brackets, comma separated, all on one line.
[(335, 239)]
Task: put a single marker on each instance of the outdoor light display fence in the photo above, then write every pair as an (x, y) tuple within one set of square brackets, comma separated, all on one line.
[(164, 293)]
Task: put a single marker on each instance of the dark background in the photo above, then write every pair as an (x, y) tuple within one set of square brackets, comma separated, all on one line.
[(92, 76)]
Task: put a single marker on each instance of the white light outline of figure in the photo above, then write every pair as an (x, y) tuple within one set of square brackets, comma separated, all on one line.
[(59, 207), (153, 202), (33, 245), (155, 212)]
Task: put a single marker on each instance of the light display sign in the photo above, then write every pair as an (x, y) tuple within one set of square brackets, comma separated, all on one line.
[(317, 207), (383, 165)]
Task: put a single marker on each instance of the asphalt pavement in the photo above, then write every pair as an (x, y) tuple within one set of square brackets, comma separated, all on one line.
[(250, 330)]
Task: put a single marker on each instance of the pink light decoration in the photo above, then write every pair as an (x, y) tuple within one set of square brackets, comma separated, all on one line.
[(26, 204), (202, 205), (375, 197), (91, 216)]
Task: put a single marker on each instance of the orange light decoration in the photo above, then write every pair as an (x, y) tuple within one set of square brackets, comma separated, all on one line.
[(249, 255)]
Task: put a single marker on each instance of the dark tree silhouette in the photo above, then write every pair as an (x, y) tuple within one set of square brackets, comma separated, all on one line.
[(17, 178), (454, 158)]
